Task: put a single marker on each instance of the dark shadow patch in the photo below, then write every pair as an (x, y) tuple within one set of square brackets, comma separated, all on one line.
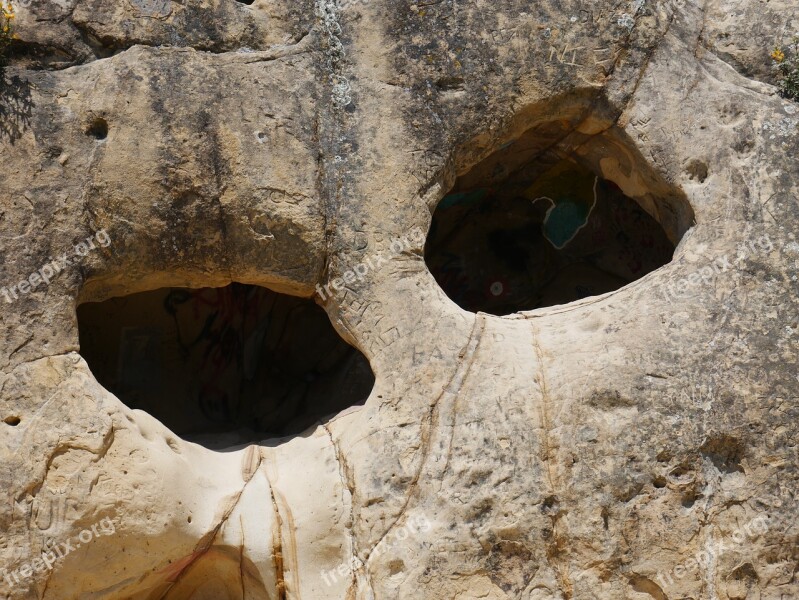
[(16, 107), (517, 234), (223, 366), (725, 452), (98, 129)]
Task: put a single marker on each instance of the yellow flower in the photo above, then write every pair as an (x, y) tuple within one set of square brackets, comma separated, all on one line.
[(778, 55)]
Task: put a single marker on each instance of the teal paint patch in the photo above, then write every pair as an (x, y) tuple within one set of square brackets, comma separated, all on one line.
[(564, 220)]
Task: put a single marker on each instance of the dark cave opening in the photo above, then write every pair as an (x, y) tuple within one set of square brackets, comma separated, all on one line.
[(513, 237), (223, 366)]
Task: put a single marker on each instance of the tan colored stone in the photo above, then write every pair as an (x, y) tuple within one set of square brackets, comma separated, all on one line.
[(583, 451)]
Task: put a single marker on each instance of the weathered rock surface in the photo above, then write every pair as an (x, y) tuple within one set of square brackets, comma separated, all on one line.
[(638, 445)]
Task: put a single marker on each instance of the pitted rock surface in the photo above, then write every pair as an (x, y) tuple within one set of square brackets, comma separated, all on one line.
[(640, 444)]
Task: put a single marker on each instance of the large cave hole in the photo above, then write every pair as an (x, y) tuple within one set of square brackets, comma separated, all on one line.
[(223, 366), (537, 224)]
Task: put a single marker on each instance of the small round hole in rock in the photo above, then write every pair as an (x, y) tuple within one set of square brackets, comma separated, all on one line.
[(223, 366), (98, 129), (13, 421)]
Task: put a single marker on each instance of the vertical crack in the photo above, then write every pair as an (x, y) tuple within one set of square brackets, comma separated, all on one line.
[(451, 389), (330, 127), (558, 542), (241, 560), (349, 486), (277, 544), (327, 13), (701, 37), (252, 462)]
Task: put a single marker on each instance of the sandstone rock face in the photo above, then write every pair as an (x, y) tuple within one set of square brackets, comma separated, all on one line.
[(639, 444)]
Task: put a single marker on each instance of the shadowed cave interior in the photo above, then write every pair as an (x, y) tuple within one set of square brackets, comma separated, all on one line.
[(223, 366), (526, 229)]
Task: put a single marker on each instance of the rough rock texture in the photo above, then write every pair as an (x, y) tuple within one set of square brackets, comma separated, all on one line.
[(739, 32), (594, 450)]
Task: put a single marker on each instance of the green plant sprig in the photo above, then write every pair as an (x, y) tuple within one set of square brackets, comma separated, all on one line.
[(787, 64)]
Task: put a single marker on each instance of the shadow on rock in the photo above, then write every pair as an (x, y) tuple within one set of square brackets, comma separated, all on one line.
[(16, 106)]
